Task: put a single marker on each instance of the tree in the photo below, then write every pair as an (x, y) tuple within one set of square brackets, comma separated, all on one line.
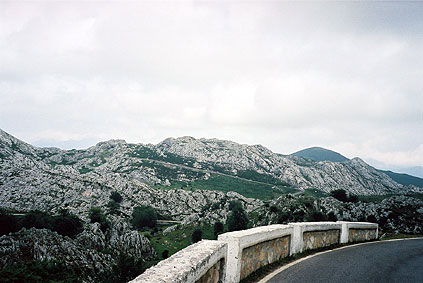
[(67, 224), (8, 223), (235, 204), (165, 254), (96, 215), (113, 207), (332, 216), (218, 229), (237, 219), (339, 195), (197, 235), (115, 196), (144, 216)]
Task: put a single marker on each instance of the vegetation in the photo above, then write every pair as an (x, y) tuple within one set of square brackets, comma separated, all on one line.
[(144, 216), (343, 196), (65, 223), (165, 254), (114, 203), (115, 196), (126, 269), (197, 235), (237, 219), (218, 229), (96, 214), (40, 272)]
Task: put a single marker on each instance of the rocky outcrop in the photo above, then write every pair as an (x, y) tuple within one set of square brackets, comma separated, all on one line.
[(43, 244)]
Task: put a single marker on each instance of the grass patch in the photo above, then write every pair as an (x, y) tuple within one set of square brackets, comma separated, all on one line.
[(243, 187), (174, 241), (315, 193)]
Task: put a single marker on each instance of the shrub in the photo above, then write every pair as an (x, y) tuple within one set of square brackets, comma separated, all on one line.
[(96, 215), (218, 229), (67, 224), (233, 205), (283, 217), (197, 235), (237, 219), (339, 195), (274, 209), (113, 207), (316, 216), (39, 272), (115, 196), (8, 223), (144, 216), (332, 216), (342, 195), (165, 254)]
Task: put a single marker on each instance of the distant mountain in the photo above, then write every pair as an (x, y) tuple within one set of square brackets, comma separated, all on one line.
[(320, 154), (404, 179), (146, 174)]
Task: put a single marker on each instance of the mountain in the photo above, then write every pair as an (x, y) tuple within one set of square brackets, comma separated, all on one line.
[(189, 181), (404, 179), (192, 164), (320, 154)]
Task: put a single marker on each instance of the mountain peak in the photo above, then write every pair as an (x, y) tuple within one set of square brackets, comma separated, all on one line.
[(320, 154)]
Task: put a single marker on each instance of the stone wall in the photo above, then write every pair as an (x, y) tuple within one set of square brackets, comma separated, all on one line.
[(262, 254), (359, 235), (235, 255), (214, 274), (320, 239), (204, 261)]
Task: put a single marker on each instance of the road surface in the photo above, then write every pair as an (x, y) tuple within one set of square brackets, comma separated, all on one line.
[(386, 261)]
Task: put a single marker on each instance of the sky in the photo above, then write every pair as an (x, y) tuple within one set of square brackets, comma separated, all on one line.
[(346, 76)]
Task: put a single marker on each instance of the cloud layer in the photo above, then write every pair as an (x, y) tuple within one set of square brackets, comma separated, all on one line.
[(346, 76)]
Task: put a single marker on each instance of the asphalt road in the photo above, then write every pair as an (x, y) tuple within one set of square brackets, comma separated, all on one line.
[(388, 261)]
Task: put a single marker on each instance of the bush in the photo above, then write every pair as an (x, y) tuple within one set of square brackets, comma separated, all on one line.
[(332, 216), (316, 216), (197, 235), (67, 224), (37, 219), (115, 196), (237, 219), (371, 218), (274, 209), (39, 272), (165, 254), (144, 216), (339, 195), (8, 223), (96, 215), (126, 269), (218, 229), (283, 217), (233, 205), (113, 207), (342, 195)]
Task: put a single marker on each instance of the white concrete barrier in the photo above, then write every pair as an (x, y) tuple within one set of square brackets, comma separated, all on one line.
[(297, 244), (237, 254), (239, 240), (204, 261)]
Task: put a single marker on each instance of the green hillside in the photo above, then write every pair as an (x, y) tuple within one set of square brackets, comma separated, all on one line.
[(404, 179), (320, 154)]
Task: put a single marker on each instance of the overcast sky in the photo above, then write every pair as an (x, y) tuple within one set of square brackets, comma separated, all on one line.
[(287, 75)]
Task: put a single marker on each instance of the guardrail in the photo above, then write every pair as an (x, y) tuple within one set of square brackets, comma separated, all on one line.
[(235, 255)]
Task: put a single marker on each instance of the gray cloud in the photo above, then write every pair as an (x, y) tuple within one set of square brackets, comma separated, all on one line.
[(346, 76)]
